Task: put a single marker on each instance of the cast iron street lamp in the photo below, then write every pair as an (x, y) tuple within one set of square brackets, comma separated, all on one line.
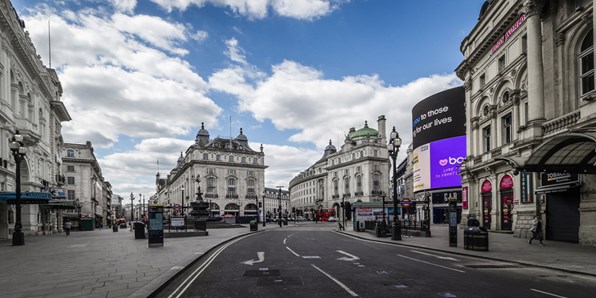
[(78, 204), (393, 147), (17, 146), (383, 208), (183, 200), (264, 219), (132, 209), (279, 210)]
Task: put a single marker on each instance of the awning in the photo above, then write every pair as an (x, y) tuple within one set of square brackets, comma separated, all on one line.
[(27, 197), (555, 188), (570, 152), (62, 204)]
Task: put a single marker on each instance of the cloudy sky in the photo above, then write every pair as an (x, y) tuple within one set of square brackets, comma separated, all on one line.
[(140, 77)]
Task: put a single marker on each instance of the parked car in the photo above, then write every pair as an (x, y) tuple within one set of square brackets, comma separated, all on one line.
[(332, 219)]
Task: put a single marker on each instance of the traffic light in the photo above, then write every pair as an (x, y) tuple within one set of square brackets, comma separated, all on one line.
[(293, 209), (260, 205)]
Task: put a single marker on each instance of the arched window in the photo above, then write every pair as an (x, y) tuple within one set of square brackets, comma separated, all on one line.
[(211, 188), (346, 186), (586, 64), (70, 153), (359, 185), (376, 184), (250, 188), (231, 158), (205, 156)]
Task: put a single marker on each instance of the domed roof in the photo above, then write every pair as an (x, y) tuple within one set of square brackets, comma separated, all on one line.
[(330, 147), (181, 158), (203, 131), (241, 137), (365, 132)]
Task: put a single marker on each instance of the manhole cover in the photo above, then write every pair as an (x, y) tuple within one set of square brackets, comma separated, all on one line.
[(261, 273)]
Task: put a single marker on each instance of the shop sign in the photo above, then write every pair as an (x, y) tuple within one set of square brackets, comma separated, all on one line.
[(443, 197), (486, 186), (526, 187), (508, 34), (506, 182), (557, 178), (464, 197)]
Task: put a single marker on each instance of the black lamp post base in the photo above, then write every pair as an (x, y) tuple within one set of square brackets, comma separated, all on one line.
[(18, 238), (395, 231)]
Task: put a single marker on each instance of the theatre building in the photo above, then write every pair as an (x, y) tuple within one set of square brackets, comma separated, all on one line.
[(528, 74)]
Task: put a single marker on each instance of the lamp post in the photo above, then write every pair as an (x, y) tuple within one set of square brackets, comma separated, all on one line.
[(182, 200), (17, 146), (132, 210), (383, 208), (279, 200), (142, 207), (264, 219), (393, 147), (78, 205)]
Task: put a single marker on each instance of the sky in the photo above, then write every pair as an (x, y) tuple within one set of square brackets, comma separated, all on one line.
[(139, 77)]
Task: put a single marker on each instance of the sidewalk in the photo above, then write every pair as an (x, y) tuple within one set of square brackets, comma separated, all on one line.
[(99, 263), (570, 257)]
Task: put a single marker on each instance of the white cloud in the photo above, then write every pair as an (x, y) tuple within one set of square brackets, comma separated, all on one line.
[(126, 6), (235, 52), (284, 162), (259, 9), (199, 35)]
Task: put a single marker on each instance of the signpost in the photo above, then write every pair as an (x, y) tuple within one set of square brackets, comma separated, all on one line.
[(155, 225), (452, 222)]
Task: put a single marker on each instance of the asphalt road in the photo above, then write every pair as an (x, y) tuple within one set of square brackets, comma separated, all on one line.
[(312, 261)]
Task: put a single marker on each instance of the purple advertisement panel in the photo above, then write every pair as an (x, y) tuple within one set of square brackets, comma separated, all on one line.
[(445, 157)]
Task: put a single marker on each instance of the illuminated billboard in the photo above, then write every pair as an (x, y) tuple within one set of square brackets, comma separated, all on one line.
[(439, 140)]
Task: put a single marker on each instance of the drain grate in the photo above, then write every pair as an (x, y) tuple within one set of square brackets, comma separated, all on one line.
[(261, 273), (491, 266)]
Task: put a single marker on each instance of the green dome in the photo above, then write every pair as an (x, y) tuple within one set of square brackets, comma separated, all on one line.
[(365, 132)]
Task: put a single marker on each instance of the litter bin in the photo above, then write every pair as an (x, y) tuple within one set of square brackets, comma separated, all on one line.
[(139, 230), (254, 226), (381, 230), (114, 228), (285, 221), (476, 238)]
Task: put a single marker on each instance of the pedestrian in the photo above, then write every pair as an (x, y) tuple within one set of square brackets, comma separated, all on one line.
[(100, 226), (67, 227), (536, 230)]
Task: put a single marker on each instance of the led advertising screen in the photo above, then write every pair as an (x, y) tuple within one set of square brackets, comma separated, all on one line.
[(439, 140)]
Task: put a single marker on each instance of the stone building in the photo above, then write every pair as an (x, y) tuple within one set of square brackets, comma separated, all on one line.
[(30, 103), (86, 185), (357, 172), (528, 74), (230, 174)]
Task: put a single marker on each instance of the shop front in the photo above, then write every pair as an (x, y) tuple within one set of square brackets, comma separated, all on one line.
[(506, 191), (487, 198), (562, 205)]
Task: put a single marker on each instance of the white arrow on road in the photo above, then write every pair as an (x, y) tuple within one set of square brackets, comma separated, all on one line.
[(260, 255), (351, 257)]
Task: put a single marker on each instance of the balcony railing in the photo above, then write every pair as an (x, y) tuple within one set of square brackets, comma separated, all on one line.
[(231, 196), (251, 197), (211, 196), (359, 194), (335, 197), (376, 193)]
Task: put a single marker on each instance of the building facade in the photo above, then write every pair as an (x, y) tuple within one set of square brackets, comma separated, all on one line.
[(86, 185), (274, 199), (230, 174), (528, 74), (356, 172), (30, 103)]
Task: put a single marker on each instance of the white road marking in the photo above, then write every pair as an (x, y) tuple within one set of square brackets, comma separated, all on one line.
[(351, 257), (429, 263), (260, 255), (78, 245), (311, 257), (293, 252), (285, 240), (436, 256), (547, 293), (336, 281)]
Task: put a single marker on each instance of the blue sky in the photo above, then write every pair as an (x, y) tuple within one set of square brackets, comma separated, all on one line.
[(139, 77)]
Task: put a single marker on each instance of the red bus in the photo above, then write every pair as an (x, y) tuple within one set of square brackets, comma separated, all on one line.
[(324, 214)]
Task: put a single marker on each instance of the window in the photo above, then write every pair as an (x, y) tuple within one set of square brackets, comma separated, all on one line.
[(501, 63), (70, 194), (231, 158), (336, 187), (231, 188), (486, 138), (376, 184), (243, 159), (586, 64), (70, 168), (255, 161), (250, 188), (507, 130), (218, 157), (70, 180), (205, 156), (375, 153), (70, 153), (211, 185), (359, 184), (347, 186)]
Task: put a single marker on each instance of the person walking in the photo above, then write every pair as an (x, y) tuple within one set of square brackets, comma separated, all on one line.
[(536, 230), (67, 227)]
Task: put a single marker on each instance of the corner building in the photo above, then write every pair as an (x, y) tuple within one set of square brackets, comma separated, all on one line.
[(528, 74), (231, 176), (358, 172)]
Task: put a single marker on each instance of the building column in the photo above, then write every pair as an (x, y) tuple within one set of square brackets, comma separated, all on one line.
[(532, 10)]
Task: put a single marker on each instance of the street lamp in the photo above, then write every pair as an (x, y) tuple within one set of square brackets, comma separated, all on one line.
[(279, 210), (17, 146), (132, 210), (78, 204), (263, 212), (142, 207), (383, 208), (183, 200), (393, 147)]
